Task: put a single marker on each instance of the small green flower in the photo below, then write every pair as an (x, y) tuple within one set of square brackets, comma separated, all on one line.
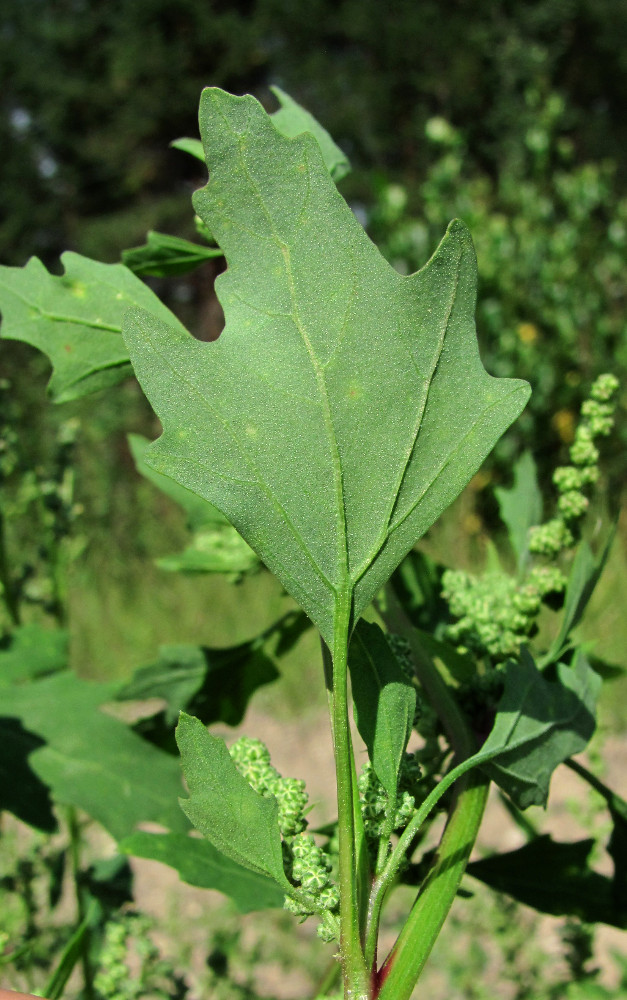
[(572, 505), (604, 388), (550, 538), (583, 451)]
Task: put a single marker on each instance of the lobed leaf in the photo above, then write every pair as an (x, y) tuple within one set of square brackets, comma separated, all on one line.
[(91, 760), (76, 319), (335, 380), (539, 724), (223, 807)]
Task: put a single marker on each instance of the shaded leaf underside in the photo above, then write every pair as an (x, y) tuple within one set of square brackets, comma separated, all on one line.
[(345, 405)]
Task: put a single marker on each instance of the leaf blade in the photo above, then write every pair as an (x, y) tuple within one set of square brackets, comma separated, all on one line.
[(223, 807), (337, 348), (384, 703), (75, 318)]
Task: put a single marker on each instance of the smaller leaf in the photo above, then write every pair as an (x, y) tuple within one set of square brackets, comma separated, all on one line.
[(583, 578), (221, 551), (223, 807), (520, 506), (176, 676), (215, 684), (191, 146), (539, 724), (76, 319), (384, 701), (32, 651), (291, 120), (163, 256), (91, 760), (553, 878), (199, 863)]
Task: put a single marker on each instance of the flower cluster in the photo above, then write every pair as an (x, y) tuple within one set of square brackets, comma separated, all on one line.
[(252, 759), (495, 613), (375, 804), (129, 965), (307, 866), (597, 420)]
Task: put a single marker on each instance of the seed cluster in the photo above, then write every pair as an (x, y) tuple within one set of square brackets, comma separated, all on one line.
[(494, 614), (379, 817), (307, 866)]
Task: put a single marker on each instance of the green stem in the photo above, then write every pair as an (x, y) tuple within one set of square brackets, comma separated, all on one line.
[(84, 940), (356, 977), (6, 580), (403, 966)]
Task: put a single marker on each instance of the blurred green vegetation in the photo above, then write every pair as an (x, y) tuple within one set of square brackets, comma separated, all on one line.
[(510, 115)]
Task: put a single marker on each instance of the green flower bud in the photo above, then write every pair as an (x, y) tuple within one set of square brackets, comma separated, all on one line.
[(547, 580), (604, 388), (600, 416), (572, 505), (568, 478), (583, 451), (549, 539)]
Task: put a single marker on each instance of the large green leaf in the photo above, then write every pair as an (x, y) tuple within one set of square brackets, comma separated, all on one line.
[(92, 760), (291, 120), (240, 823), (75, 318), (384, 701), (539, 724), (344, 406), (199, 863), (216, 547), (554, 878)]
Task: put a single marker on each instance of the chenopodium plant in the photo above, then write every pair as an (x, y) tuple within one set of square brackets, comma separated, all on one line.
[(342, 409)]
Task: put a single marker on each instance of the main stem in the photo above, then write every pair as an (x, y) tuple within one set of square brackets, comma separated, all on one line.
[(355, 973)]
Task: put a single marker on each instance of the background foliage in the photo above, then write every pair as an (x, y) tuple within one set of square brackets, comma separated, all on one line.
[(509, 115)]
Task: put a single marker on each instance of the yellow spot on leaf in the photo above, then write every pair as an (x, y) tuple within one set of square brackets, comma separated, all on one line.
[(355, 391)]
